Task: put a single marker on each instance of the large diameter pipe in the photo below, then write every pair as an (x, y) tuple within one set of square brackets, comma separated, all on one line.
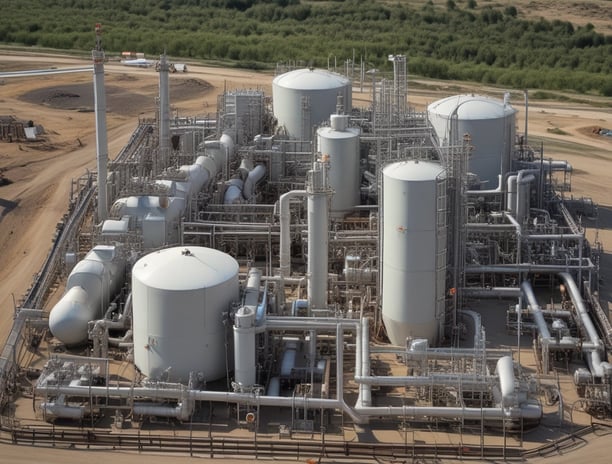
[(526, 267), (491, 292), (505, 370), (53, 410), (253, 178), (285, 229), (196, 177), (598, 367), (479, 342), (200, 395), (535, 310), (548, 165), (251, 291), (182, 411), (528, 411), (494, 191), (578, 302), (448, 380), (233, 193), (516, 203), (523, 181)]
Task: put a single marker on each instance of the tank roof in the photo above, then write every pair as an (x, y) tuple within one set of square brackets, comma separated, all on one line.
[(185, 268), (330, 133), (471, 107), (311, 79), (413, 170)]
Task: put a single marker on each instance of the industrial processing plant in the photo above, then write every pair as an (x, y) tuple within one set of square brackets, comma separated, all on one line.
[(263, 279)]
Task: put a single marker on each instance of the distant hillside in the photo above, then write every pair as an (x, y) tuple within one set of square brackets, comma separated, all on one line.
[(493, 42)]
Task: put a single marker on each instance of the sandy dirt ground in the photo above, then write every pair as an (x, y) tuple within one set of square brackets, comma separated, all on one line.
[(38, 175)]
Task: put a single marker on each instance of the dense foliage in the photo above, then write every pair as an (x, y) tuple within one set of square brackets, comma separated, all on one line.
[(464, 40)]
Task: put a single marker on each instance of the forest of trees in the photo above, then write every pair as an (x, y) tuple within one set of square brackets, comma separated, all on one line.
[(463, 40)]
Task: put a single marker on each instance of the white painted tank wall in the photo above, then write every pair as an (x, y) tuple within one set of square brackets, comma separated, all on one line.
[(179, 297), (341, 144), (491, 125), (409, 248), (321, 87)]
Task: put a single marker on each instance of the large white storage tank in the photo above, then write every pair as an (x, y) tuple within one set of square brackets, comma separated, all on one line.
[(413, 250), (341, 144), (304, 98), (179, 297), (491, 124)]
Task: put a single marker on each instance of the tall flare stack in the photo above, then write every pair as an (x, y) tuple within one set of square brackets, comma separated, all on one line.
[(100, 110), (164, 110)]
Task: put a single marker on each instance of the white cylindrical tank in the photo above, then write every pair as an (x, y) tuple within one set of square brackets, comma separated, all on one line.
[(489, 122), (179, 297), (411, 247), (341, 144), (304, 98)]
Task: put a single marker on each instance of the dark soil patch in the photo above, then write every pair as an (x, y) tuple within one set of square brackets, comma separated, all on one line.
[(80, 97)]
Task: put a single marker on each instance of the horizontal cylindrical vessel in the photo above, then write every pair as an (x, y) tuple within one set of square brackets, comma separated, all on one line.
[(91, 284)]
